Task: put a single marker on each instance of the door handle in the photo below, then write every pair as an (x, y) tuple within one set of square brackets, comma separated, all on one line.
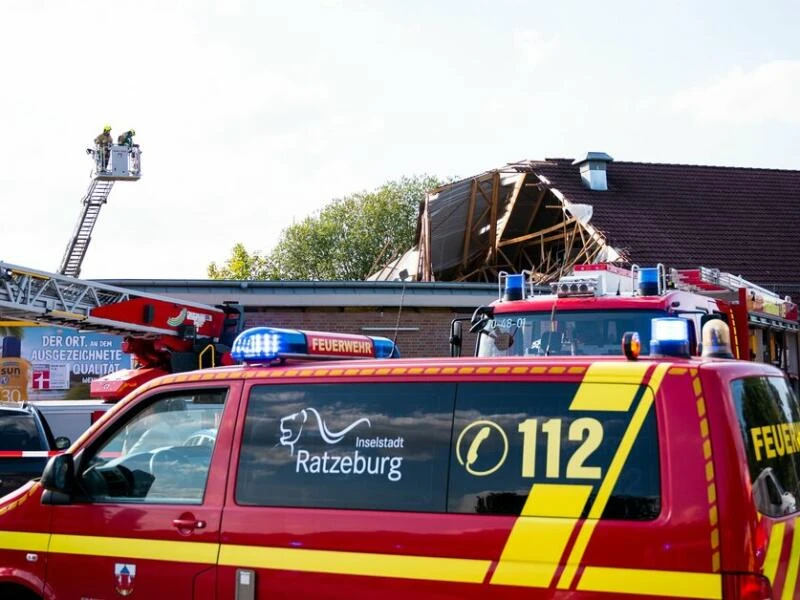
[(190, 524)]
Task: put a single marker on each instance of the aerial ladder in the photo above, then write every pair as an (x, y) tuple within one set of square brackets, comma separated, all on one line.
[(122, 164), (165, 335)]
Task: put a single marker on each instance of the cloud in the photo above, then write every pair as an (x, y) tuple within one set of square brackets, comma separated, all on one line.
[(768, 92)]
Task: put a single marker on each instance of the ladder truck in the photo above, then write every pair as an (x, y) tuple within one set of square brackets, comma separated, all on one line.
[(164, 335), (124, 165), (588, 311)]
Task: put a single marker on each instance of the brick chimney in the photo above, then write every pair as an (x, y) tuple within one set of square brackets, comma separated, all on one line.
[(593, 170)]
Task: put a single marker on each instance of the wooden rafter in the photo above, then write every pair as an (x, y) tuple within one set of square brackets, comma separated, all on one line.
[(468, 233), (540, 233), (493, 246), (512, 202)]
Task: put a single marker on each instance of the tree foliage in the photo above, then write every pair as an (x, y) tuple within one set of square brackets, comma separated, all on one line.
[(242, 265), (348, 239)]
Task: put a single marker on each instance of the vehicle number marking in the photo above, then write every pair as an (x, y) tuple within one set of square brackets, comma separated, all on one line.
[(586, 430)]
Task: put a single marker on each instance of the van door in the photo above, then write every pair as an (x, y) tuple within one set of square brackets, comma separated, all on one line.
[(339, 492), (146, 516)]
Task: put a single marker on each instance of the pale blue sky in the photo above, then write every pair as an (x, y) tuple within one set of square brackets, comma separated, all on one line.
[(259, 113)]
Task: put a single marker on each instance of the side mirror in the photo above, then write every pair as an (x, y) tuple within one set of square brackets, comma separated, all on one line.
[(456, 338), (479, 318), (59, 474), (62, 443)]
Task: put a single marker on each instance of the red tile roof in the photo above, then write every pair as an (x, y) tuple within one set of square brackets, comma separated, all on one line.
[(740, 220)]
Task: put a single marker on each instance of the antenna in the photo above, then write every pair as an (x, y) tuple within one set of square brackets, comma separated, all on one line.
[(403, 276)]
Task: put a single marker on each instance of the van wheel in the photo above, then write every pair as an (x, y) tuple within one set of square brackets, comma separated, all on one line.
[(13, 591)]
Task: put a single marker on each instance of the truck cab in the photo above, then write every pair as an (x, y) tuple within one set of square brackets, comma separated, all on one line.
[(588, 311)]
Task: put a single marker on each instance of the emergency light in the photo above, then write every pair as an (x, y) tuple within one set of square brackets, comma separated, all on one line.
[(669, 337), (648, 281), (260, 345), (515, 287)]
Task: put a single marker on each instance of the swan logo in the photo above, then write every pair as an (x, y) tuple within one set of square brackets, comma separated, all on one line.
[(292, 428)]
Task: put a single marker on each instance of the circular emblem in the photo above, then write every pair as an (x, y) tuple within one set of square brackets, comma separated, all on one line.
[(473, 436)]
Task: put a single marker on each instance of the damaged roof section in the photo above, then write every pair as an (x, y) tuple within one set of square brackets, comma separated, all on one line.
[(508, 219), (546, 216)]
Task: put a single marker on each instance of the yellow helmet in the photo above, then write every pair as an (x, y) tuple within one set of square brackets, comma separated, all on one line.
[(107, 128), (133, 132)]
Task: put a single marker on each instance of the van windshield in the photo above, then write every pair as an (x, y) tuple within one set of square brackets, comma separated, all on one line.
[(589, 332)]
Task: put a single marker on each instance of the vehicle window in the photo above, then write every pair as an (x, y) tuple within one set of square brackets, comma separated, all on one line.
[(380, 446), (18, 431), (566, 333), (154, 455), (770, 424), (48, 433), (510, 437)]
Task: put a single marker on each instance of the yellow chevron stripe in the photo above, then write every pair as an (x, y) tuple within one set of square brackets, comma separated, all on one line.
[(609, 386), (610, 480), (191, 552), (356, 563), (537, 541), (774, 550), (791, 569), (651, 583)]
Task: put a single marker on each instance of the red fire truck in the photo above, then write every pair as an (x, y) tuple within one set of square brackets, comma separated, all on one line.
[(590, 309), (164, 335)]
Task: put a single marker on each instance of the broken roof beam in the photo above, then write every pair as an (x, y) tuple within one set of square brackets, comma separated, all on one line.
[(513, 196), (468, 231), (540, 233), (493, 216)]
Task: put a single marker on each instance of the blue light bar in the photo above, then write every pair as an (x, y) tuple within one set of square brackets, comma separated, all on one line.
[(267, 343), (260, 345), (515, 286), (669, 337), (385, 348)]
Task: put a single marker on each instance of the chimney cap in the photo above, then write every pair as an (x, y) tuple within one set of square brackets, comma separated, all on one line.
[(592, 157)]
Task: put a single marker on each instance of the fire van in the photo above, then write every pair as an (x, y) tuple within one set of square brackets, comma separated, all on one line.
[(659, 476)]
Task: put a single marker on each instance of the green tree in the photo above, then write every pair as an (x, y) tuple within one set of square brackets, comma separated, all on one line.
[(242, 265), (347, 240)]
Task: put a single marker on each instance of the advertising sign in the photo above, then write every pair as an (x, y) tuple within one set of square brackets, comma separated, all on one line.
[(58, 363)]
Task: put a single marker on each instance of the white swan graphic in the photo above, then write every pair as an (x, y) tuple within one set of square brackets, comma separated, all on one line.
[(298, 419)]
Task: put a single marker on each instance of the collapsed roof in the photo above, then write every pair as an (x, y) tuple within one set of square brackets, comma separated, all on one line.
[(546, 216)]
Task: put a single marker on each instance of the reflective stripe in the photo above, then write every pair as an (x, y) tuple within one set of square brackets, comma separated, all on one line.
[(791, 568), (356, 563), (774, 550), (427, 568), (609, 386), (535, 545), (651, 582), (610, 480), (27, 542), (190, 552)]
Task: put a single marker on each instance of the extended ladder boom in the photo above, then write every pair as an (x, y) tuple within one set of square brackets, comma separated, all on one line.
[(93, 201), (31, 295), (125, 165)]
